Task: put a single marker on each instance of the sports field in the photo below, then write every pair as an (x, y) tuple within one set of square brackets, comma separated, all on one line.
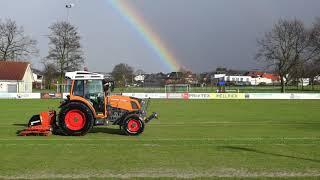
[(194, 138)]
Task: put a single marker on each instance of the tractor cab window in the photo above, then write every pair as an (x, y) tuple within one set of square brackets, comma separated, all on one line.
[(94, 93), (88, 88), (92, 90), (67, 86), (78, 89)]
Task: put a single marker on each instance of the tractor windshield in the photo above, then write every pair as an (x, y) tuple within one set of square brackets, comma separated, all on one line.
[(93, 87), (87, 88)]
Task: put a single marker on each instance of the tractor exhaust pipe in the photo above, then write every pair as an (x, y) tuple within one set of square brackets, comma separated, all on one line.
[(154, 115)]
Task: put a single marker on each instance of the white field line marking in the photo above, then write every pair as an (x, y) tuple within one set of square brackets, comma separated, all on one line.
[(162, 139), (172, 173)]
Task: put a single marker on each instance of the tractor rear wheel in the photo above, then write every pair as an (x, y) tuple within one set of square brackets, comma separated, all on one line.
[(132, 125), (75, 119)]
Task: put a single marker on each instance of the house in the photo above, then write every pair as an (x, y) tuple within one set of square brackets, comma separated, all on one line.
[(304, 82), (15, 77), (154, 80), (38, 78), (139, 78), (191, 78), (238, 79), (205, 79), (263, 78), (248, 78), (175, 78)]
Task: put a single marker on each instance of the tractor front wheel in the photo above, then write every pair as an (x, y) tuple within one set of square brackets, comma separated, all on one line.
[(132, 125), (75, 119)]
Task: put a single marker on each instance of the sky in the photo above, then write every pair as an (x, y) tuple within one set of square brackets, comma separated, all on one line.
[(200, 35)]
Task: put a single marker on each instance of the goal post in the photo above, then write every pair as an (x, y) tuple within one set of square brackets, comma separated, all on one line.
[(177, 88)]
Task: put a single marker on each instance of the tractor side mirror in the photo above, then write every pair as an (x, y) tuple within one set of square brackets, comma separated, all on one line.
[(111, 83), (108, 85)]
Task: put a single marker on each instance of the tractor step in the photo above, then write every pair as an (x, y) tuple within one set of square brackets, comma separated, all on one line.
[(101, 122)]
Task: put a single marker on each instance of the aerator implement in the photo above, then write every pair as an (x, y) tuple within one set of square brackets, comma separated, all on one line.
[(89, 104)]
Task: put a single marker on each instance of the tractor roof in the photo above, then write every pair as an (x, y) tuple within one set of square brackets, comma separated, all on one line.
[(81, 75)]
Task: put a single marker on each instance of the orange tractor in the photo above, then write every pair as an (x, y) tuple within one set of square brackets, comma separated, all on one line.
[(89, 104)]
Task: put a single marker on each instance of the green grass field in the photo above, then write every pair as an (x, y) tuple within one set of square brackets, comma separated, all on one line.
[(194, 138)]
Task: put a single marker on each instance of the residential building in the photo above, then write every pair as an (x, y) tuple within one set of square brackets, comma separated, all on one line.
[(15, 77)]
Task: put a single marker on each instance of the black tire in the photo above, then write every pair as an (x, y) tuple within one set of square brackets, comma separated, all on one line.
[(55, 128), (87, 118), (139, 125)]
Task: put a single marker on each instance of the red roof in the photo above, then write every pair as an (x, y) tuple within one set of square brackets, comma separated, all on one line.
[(273, 77), (255, 74), (10, 70)]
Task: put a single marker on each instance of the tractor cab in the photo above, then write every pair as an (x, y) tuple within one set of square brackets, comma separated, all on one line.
[(88, 88)]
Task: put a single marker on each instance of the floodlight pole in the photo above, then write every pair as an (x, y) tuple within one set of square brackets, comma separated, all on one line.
[(68, 7)]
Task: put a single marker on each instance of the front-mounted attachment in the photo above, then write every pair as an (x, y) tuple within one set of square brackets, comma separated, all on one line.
[(154, 115), (40, 124)]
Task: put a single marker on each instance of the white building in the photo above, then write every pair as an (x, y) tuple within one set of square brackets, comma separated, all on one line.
[(15, 77), (218, 76), (245, 80), (139, 77), (304, 81), (260, 80), (38, 80)]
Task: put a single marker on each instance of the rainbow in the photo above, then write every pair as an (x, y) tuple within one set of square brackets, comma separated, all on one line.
[(153, 40)]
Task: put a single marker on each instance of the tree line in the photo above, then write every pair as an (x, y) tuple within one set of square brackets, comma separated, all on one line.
[(64, 54), (292, 50)]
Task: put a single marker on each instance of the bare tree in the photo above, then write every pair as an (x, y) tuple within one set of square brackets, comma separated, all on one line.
[(312, 70), (65, 48), (313, 67), (14, 44), (50, 74), (315, 38), (285, 47), (122, 74)]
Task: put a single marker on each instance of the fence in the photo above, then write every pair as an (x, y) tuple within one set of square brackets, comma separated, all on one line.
[(176, 95), (230, 89)]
